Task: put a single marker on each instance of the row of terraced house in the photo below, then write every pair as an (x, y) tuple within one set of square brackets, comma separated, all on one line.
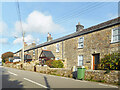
[(85, 47)]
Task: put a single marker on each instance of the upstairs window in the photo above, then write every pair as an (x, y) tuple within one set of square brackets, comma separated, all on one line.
[(57, 47), (80, 60), (17, 54), (115, 35), (27, 52), (81, 42), (44, 48), (34, 52)]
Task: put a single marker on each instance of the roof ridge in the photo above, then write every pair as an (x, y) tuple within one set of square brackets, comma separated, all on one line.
[(92, 28)]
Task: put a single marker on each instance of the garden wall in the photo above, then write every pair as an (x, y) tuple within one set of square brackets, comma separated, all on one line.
[(54, 71), (112, 77)]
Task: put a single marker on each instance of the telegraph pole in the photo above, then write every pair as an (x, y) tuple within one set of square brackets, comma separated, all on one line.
[(23, 47), (23, 33)]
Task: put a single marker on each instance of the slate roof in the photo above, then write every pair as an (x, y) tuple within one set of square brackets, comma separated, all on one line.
[(98, 27), (47, 54)]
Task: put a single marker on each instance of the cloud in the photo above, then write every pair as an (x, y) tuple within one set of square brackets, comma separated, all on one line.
[(3, 40), (3, 28), (38, 22), (29, 39)]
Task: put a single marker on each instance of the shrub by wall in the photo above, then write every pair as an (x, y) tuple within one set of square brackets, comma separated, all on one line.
[(110, 62), (55, 63)]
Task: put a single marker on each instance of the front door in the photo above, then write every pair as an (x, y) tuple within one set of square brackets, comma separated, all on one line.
[(96, 58)]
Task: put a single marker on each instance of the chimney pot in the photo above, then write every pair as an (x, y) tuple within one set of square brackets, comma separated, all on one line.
[(79, 27), (49, 38)]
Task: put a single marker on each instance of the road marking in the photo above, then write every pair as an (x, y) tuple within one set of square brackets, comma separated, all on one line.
[(12, 73), (113, 86), (65, 78), (108, 85), (103, 84), (35, 83)]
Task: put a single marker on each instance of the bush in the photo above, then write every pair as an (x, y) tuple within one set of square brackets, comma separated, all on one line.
[(49, 63), (54, 63), (57, 64), (110, 62)]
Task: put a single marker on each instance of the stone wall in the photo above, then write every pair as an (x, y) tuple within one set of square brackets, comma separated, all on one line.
[(112, 77), (54, 71)]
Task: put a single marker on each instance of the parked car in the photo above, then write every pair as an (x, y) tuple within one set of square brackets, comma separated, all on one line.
[(16, 59)]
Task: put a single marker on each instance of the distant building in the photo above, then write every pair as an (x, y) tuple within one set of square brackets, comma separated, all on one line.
[(0, 61), (85, 47)]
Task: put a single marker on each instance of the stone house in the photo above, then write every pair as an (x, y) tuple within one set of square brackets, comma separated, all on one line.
[(26, 46), (83, 47)]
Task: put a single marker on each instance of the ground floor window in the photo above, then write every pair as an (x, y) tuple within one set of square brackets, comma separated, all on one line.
[(57, 58), (80, 60)]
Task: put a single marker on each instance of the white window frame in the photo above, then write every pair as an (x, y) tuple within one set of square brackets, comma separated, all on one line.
[(80, 59), (57, 47), (81, 42), (45, 48), (57, 58), (33, 51), (117, 35), (17, 54)]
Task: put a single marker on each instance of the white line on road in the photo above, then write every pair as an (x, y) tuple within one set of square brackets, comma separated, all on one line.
[(35, 83), (12, 73), (113, 86), (102, 84), (108, 85)]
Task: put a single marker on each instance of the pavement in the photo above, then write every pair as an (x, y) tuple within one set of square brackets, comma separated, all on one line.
[(14, 78)]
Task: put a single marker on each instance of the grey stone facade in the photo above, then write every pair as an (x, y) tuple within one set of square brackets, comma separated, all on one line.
[(97, 40)]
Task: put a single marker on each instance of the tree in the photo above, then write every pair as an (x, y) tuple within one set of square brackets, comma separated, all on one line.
[(5, 56)]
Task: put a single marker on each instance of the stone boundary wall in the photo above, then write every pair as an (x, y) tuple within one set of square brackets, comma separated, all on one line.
[(113, 77), (54, 71)]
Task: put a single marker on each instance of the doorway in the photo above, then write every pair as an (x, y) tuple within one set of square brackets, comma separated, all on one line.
[(96, 60)]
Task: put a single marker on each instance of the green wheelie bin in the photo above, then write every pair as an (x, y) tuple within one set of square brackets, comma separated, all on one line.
[(80, 73)]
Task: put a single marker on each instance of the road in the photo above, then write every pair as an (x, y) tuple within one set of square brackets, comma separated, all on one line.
[(14, 78)]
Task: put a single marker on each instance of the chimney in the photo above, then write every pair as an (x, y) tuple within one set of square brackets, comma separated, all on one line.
[(25, 44), (49, 38), (79, 27), (33, 43)]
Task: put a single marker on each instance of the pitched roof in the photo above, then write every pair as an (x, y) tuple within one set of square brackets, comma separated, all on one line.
[(47, 54), (98, 27)]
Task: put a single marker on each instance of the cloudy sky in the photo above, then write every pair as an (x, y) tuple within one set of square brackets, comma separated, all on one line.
[(39, 18)]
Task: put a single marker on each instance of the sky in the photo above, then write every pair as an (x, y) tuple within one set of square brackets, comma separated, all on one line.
[(57, 18)]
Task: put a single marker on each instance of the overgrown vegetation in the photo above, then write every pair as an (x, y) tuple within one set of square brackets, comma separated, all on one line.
[(110, 62), (55, 63)]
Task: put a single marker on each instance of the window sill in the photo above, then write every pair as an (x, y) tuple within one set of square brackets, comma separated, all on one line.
[(114, 42), (80, 48)]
